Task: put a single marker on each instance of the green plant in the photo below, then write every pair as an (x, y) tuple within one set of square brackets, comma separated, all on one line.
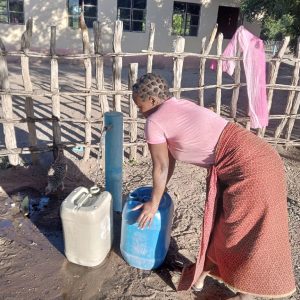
[(279, 18)]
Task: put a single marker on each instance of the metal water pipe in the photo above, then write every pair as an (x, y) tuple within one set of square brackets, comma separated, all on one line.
[(113, 121)]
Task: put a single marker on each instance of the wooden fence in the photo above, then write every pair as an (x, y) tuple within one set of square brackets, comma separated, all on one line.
[(10, 149)]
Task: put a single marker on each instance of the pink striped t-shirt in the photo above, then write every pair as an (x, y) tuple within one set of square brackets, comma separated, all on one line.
[(191, 131)]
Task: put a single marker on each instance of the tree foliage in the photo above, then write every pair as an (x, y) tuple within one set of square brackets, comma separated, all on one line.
[(279, 18)]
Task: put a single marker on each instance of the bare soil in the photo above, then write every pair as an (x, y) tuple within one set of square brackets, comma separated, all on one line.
[(33, 265)]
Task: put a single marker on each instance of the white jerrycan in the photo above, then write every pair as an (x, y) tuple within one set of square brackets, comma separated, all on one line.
[(87, 226)]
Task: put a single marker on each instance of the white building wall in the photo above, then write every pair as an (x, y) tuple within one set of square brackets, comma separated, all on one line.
[(160, 12), (47, 13), (44, 14)]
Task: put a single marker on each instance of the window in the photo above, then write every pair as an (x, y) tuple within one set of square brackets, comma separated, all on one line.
[(133, 14), (89, 9), (228, 19), (12, 11), (185, 18)]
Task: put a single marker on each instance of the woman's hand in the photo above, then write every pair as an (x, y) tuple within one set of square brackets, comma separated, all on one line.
[(146, 217), (163, 167)]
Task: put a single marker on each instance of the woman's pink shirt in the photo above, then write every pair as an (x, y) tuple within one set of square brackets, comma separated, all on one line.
[(191, 131)]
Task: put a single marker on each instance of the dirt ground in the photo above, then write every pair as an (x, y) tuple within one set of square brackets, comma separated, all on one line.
[(33, 265)]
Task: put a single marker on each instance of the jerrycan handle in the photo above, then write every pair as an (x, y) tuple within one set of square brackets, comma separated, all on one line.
[(92, 191)]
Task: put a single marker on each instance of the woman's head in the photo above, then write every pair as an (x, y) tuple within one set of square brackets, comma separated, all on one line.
[(149, 91)]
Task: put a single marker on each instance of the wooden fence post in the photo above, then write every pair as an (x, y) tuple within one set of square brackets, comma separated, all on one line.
[(219, 74), (25, 45), (145, 150), (54, 87), (117, 64), (202, 73), (97, 26), (150, 47), (8, 128), (203, 61), (273, 77), (236, 90), (178, 65), (88, 85), (293, 117), (132, 78), (292, 94)]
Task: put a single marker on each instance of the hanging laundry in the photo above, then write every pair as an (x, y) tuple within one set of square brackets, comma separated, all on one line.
[(254, 61)]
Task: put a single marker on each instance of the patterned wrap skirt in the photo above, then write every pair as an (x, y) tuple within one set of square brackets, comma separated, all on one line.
[(245, 239)]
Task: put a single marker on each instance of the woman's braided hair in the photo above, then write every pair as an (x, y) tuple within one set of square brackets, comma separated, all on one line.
[(151, 85)]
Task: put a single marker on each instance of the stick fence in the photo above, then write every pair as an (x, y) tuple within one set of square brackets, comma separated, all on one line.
[(120, 95)]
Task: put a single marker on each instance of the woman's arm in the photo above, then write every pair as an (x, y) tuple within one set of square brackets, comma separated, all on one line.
[(172, 162), (160, 171), (163, 166)]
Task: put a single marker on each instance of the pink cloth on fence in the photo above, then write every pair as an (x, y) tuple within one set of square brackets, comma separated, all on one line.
[(255, 69), (193, 133)]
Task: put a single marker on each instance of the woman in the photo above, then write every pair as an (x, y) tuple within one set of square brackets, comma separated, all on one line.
[(245, 239)]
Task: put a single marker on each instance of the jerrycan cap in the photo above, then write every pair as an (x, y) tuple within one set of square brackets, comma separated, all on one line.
[(94, 190)]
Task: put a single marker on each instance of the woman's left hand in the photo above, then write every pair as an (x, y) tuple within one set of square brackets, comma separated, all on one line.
[(147, 214)]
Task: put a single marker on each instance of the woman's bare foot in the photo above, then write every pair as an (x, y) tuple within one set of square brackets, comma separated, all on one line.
[(200, 282), (240, 296)]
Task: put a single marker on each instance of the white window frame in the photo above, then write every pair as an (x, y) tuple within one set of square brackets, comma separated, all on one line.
[(185, 21), (131, 18), (73, 17), (8, 13)]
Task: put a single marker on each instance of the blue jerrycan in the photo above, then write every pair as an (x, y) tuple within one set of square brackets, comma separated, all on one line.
[(146, 249)]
